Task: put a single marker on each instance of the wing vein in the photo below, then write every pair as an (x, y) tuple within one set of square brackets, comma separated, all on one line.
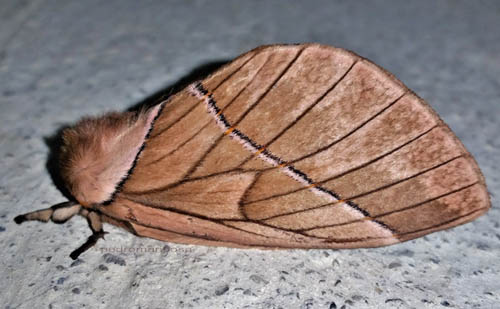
[(352, 169), (264, 94), (218, 221), (217, 141), (369, 192), (178, 147), (351, 132), (212, 147), (291, 124), (416, 205), (194, 105)]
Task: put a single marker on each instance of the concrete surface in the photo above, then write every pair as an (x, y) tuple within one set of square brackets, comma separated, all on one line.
[(60, 60)]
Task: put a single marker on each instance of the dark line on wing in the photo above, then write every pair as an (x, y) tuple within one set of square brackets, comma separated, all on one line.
[(296, 174), (211, 238), (176, 121), (166, 230), (398, 235), (384, 225), (429, 200), (240, 229), (172, 209), (443, 223), (178, 147), (183, 181), (327, 240), (216, 221), (349, 240), (216, 142), (351, 132), (296, 234), (330, 240), (381, 156), (212, 147), (196, 104), (352, 169), (245, 138), (291, 124), (406, 179), (200, 192), (195, 202), (397, 210), (208, 122), (264, 94), (198, 216), (369, 192), (119, 185), (241, 207)]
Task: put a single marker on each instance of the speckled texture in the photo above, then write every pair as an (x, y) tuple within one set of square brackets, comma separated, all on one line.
[(60, 60)]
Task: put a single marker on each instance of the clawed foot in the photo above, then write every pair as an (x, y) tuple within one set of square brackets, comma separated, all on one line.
[(91, 241)]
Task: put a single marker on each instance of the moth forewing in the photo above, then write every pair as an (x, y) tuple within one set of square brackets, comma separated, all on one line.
[(287, 146)]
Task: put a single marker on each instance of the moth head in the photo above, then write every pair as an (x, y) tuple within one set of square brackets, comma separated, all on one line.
[(98, 153)]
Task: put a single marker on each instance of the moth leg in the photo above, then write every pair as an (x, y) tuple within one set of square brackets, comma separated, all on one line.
[(58, 213), (95, 224)]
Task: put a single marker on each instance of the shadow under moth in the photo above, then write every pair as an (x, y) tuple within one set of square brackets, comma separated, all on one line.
[(287, 146)]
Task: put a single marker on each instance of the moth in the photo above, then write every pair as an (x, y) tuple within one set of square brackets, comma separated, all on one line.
[(287, 146)]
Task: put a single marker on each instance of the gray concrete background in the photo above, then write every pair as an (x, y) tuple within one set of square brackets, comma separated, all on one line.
[(61, 60)]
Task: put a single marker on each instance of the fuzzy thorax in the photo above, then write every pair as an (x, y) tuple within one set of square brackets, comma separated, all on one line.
[(98, 153)]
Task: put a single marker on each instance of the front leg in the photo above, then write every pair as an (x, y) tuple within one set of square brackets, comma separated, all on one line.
[(61, 213), (95, 224), (58, 213)]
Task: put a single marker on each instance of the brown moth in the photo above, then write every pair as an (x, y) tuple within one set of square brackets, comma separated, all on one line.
[(287, 146)]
